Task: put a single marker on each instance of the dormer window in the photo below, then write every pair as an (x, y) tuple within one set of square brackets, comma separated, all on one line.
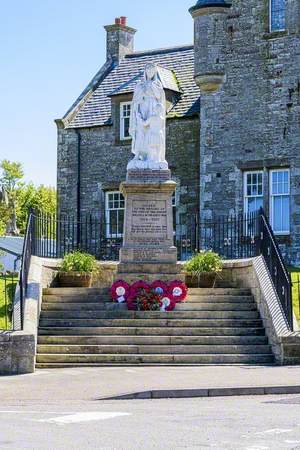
[(125, 109), (277, 15)]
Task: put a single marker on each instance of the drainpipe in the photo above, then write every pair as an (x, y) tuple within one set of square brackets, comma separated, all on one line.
[(78, 185)]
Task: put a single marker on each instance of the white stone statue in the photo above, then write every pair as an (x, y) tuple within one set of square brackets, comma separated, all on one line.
[(148, 123)]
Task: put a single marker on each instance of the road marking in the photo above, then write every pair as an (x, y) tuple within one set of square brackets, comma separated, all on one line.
[(274, 431), (258, 447), (84, 417)]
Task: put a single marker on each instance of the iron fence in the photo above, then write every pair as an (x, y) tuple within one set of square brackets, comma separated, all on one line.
[(281, 278), (231, 237), (8, 283)]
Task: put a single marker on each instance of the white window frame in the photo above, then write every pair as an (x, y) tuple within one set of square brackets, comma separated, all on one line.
[(271, 29), (246, 196), (122, 121), (107, 215), (272, 197)]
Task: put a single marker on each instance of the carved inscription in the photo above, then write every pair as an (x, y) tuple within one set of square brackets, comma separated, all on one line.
[(149, 220)]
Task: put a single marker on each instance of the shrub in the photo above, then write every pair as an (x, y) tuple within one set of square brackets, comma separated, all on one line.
[(204, 261), (78, 262)]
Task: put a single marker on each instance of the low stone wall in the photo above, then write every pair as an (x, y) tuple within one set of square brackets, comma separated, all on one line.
[(254, 274), (18, 348)]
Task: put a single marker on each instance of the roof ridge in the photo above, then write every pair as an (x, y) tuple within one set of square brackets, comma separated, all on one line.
[(159, 51)]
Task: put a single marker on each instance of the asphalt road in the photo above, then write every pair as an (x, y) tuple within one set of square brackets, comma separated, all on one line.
[(250, 423)]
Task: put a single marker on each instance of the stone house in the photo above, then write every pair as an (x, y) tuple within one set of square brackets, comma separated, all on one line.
[(235, 152)]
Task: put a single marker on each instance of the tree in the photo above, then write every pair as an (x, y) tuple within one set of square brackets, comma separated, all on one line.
[(18, 198), (12, 173), (30, 197)]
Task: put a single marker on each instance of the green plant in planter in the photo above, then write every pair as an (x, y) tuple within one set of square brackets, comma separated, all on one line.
[(78, 262), (204, 266), (77, 269)]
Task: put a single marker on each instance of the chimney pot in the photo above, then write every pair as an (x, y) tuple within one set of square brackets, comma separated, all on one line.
[(120, 39)]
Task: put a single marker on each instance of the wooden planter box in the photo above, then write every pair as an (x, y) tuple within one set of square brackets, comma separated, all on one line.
[(206, 280), (74, 279)]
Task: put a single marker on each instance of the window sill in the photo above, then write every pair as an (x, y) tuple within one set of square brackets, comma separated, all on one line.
[(123, 142), (275, 34), (283, 238)]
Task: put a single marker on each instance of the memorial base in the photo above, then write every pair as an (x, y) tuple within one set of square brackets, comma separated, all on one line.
[(148, 244)]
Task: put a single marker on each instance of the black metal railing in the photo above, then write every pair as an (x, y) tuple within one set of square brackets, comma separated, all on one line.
[(231, 237), (28, 249), (280, 276), (8, 283)]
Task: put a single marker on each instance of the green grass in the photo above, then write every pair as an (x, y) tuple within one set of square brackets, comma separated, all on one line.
[(6, 300), (295, 274)]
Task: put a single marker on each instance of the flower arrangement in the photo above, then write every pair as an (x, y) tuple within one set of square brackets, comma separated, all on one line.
[(178, 291), (157, 296), (120, 291)]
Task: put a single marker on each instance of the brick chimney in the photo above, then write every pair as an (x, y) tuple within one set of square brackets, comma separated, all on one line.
[(120, 39)]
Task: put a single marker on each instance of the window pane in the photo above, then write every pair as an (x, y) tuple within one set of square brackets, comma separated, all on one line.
[(286, 213), (277, 15), (277, 214), (254, 204), (281, 214)]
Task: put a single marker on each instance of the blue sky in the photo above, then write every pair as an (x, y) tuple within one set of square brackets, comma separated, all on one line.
[(50, 49)]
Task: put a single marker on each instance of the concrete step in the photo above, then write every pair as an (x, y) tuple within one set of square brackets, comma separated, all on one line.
[(153, 331), (148, 315), (218, 306), (184, 306), (96, 306), (155, 359), (77, 298), (152, 349), (219, 299), (74, 291), (190, 323), (220, 291), (152, 340)]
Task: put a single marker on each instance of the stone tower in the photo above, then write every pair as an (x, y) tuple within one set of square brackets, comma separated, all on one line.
[(210, 38), (247, 65)]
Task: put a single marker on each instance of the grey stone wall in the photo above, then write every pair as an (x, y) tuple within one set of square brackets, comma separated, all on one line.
[(253, 122), (104, 159)]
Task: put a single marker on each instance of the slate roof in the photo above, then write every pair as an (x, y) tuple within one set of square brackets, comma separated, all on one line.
[(95, 110), (12, 245), (166, 76)]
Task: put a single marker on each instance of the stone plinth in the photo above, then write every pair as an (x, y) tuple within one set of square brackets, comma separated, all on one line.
[(148, 224)]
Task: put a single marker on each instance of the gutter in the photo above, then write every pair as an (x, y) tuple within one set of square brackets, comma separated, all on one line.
[(78, 183)]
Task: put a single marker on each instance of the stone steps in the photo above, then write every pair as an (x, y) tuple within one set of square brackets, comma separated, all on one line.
[(123, 314), (219, 299), (108, 359), (168, 322), (83, 327), (152, 340), (152, 349), (152, 331), (185, 306)]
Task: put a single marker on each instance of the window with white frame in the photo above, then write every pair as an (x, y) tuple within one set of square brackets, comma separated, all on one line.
[(253, 191), (277, 15), (114, 211), (280, 201), (125, 110)]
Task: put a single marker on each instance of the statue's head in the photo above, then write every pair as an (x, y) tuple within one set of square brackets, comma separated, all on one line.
[(150, 71)]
